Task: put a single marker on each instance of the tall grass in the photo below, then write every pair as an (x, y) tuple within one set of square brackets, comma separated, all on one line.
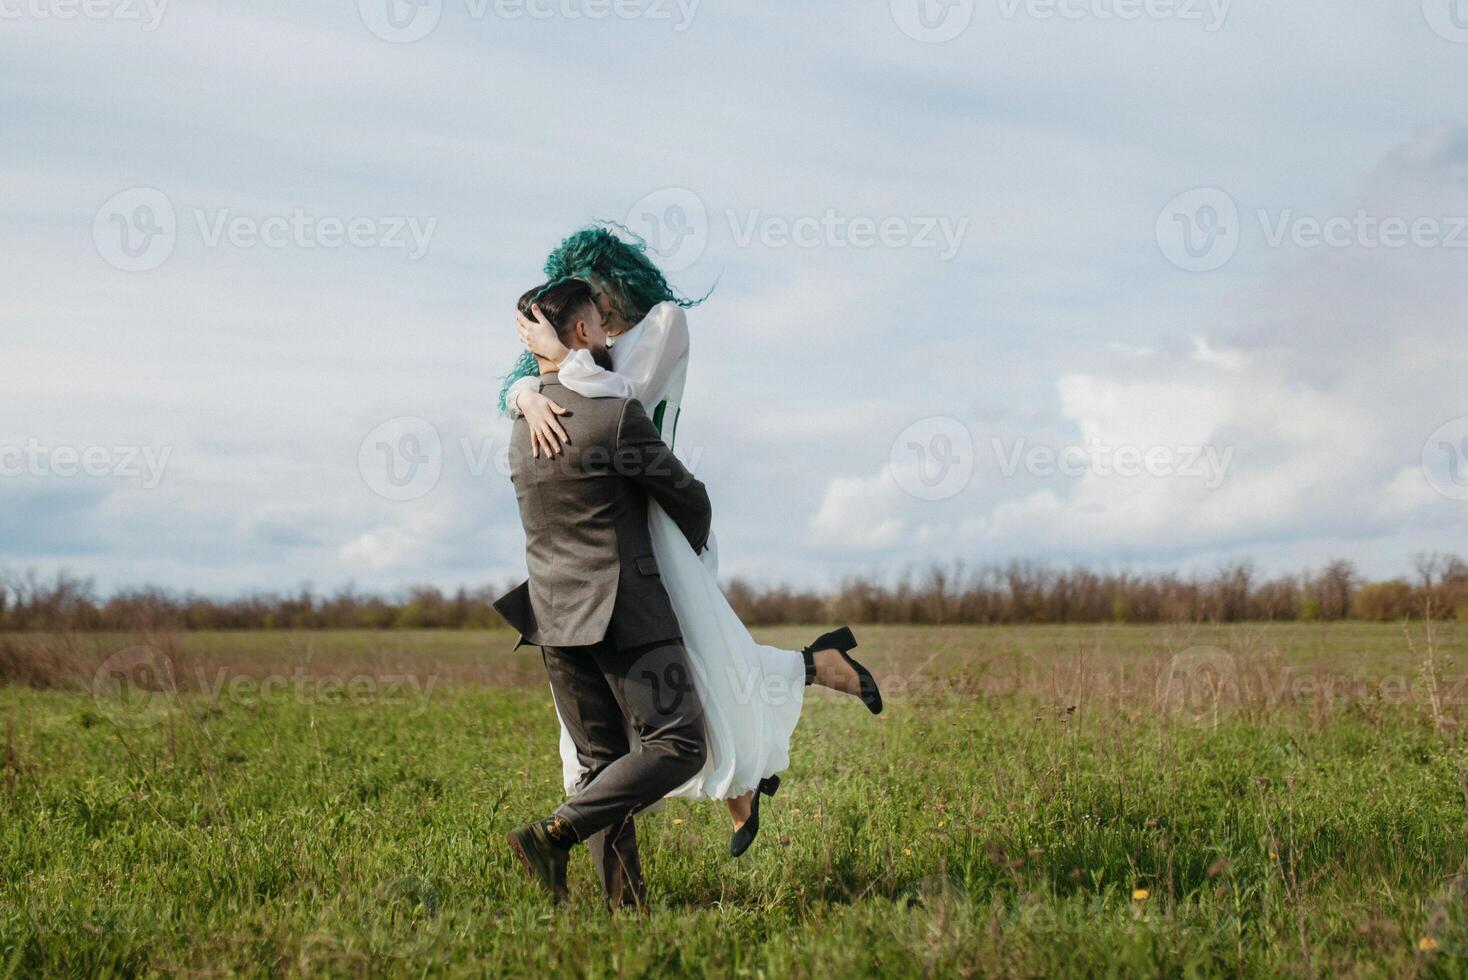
[(1174, 800)]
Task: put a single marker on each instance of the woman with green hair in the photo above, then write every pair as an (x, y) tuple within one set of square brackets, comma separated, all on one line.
[(751, 693)]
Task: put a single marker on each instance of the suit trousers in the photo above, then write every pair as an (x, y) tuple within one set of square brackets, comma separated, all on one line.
[(601, 692)]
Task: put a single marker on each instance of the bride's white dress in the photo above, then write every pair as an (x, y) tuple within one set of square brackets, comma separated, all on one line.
[(751, 693)]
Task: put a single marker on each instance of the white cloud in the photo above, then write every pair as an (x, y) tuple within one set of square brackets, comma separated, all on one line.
[(859, 514), (1311, 431), (1229, 360)]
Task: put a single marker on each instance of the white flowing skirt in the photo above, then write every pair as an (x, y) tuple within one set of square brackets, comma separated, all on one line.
[(751, 693)]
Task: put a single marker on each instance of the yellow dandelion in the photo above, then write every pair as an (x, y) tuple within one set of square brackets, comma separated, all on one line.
[(907, 852), (1273, 856), (1427, 944), (941, 823), (677, 821), (519, 772), (1140, 894)]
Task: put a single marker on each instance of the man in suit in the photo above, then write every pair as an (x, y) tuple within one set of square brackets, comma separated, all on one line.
[(596, 606)]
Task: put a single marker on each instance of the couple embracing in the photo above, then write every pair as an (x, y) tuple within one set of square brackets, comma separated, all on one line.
[(659, 688)]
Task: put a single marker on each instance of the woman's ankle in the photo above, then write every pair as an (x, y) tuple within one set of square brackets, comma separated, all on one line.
[(740, 808), (832, 671)]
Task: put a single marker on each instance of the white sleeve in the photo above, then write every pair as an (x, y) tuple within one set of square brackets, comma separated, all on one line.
[(585, 377), (650, 357), (527, 383)]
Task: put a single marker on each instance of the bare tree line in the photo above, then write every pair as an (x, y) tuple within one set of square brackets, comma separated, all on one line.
[(1031, 592), (1015, 593)]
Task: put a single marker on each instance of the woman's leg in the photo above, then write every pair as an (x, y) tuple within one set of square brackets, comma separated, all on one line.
[(740, 807), (834, 672)]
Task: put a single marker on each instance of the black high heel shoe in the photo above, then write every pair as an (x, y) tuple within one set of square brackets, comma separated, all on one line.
[(745, 835), (841, 641)]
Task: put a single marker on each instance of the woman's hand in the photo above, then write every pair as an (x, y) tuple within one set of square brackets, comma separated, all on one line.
[(540, 337), (546, 433)]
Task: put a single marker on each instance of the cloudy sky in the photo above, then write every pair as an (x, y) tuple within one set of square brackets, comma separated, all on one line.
[(1142, 284)]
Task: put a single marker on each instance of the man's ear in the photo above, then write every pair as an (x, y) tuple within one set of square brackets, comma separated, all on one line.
[(583, 337)]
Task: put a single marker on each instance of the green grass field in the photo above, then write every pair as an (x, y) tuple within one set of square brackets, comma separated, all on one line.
[(1176, 801)]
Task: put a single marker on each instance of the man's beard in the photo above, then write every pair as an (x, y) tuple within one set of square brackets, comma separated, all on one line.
[(602, 357)]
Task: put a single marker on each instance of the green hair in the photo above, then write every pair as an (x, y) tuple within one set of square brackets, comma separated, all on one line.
[(597, 253)]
